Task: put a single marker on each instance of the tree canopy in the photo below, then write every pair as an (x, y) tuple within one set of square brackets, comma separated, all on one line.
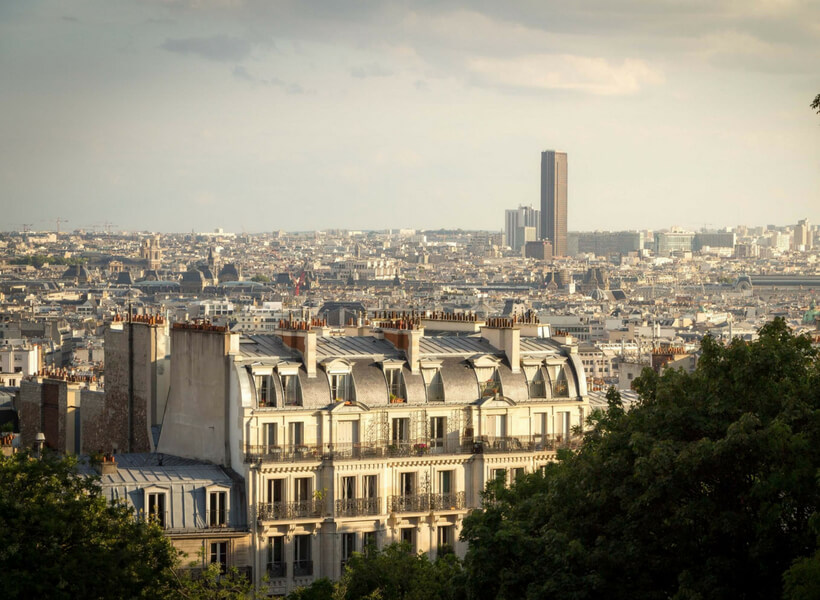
[(394, 573), (706, 489), (62, 539)]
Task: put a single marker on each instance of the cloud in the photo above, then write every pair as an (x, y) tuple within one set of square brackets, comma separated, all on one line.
[(565, 72), (218, 48), (371, 70)]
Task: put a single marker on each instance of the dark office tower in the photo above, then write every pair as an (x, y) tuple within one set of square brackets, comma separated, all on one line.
[(554, 200)]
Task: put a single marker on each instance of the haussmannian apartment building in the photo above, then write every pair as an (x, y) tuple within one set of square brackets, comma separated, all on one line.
[(373, 434)]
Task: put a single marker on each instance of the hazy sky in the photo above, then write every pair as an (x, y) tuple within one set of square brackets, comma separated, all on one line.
[(256, 115)]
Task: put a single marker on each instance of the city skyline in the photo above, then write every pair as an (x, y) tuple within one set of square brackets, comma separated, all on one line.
[(195, 114)]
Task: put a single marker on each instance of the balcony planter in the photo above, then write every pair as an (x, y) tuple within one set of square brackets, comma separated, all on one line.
[(420, 449), (396, 400)]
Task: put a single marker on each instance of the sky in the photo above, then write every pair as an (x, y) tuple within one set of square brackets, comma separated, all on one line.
[(263, 115)]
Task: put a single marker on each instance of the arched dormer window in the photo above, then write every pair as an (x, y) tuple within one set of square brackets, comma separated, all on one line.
[(486, 372), (340, 378), (291, 387), (393, 376), (433, 382), (560, 388), (537, 385)]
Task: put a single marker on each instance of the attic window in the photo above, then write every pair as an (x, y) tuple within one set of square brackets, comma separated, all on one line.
[(489, 383), (395, 384)]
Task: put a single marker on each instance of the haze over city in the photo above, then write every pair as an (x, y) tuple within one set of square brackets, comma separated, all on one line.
[(255, 116)]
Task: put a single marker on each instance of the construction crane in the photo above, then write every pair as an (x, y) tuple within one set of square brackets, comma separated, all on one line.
[(108, 226), (300, 283), (59, 221)]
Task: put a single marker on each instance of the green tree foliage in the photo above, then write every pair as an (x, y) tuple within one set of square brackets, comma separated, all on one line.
[(706, 489), (816, 103), (62, 539), (394, 573), (38, 260)]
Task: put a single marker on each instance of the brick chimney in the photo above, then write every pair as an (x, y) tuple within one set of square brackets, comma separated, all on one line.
[(301, 337), (407, 340), (505, 334)]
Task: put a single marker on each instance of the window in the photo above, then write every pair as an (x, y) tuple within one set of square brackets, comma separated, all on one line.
[(518, 472), (497, 425), (302, 489), (156, 508), (348, 547), (219, 554), (341, 387), (395, 385), (434, 386), (371, 488), (562, 425), (438, 431), (369, 540), (291, 390), (302, 561), (348, 488), (297, 434), (498, 474), (217, 514), (489, 383), (269, 436), (445, 482), (401, 431), (445, 539), (408, 536), (276, 556), (276, 490), (537, 385), (560, 388), (407, 482), (267, 393)]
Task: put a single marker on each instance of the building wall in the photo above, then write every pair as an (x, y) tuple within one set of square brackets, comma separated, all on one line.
[(197, 411)]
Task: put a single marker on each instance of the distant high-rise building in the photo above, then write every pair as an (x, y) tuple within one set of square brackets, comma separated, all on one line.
[(802, 240), (518, 219), (554, 200)]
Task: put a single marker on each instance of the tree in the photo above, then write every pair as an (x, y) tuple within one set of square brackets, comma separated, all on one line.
[(706, 489), (394, 573), (62, 539), (816, 103)]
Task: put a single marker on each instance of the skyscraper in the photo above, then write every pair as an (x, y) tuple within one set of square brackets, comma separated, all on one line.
[(554, 200), (515, 222)]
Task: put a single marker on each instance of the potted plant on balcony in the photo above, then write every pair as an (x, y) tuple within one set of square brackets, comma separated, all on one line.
[(396, 399), (420, 449)]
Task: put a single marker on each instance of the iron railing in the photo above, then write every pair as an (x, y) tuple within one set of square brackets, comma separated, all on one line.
[(277, 570), (427, 502), (451, 501), (356, 507), (302, 568), (411, 447), (302, 509)]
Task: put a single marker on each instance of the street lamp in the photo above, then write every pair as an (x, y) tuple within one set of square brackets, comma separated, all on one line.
[(39, 440)]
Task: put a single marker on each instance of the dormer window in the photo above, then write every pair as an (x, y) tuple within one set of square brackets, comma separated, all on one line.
[(155, 507), (486, 372), (394, 377), (266, 390), (489, 383), (217, 507), (560, 388), (433, 383), (536, 382), (341, 387), (291, 387)]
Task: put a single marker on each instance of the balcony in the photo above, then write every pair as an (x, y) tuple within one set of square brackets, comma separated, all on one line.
[(357, 507), (410, 503), (277, 570), (411, 447), (452, 501), (302, 568), (303, 509), (296, 453)]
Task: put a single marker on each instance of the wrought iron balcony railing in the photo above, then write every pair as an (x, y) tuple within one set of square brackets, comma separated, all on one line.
[(302, 568), (427, 502), (277, 570), (450, 444), (356, 507), (303, 509)]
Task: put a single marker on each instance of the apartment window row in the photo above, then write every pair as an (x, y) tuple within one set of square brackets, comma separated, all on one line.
[(271, 438), (302, 556), (216, 512)]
